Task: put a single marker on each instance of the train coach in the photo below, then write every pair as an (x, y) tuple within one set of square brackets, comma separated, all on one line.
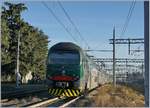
[(70, 72)]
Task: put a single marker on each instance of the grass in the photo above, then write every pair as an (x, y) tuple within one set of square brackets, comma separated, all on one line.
[(121, 96), (107, 96)]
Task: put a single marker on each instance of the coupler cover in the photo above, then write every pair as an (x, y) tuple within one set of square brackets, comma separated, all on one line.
[(64, 92)]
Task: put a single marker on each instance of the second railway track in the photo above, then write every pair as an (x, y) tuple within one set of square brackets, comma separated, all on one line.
[(21, 93)]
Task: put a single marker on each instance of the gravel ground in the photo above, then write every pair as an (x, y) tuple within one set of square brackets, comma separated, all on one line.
[(86, 101)]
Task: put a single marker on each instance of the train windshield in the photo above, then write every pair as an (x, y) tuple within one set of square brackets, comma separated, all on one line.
[(64, 58)]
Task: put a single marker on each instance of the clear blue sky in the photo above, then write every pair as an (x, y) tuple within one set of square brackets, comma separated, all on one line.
[(95, 21)]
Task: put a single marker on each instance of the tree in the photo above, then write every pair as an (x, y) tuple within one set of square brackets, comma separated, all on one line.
[(12, 22), (33, 47)]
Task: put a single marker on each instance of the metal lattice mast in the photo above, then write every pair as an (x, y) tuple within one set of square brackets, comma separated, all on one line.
[(128, 41)]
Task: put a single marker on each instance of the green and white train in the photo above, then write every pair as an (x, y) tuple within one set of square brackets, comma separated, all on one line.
[(70, 72)]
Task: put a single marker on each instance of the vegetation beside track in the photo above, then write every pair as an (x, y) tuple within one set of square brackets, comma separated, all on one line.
[(136, 85), (123, 96), (107, 96)]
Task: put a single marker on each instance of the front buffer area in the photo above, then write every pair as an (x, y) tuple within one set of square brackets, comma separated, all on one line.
[(67, 92)]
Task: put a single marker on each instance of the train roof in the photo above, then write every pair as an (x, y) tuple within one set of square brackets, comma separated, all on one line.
[(65, 46)]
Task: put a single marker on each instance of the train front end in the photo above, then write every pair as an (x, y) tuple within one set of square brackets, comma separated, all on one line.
[(63, 70)]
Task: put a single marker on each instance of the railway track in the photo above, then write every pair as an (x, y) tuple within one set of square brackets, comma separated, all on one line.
[(47, 101), (23, 97), (42, 103), (54, 102), (57, 102)]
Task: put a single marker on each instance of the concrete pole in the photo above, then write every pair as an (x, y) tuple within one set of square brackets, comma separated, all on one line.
[(146, 49), (114, 62), (17, 70)]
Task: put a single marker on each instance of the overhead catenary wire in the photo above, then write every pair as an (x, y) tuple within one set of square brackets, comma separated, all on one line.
[(59, 21), (71, 21), (128, 18)]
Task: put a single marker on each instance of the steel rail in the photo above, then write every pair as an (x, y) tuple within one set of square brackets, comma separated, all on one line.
[(69, 102), (42, 103)]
